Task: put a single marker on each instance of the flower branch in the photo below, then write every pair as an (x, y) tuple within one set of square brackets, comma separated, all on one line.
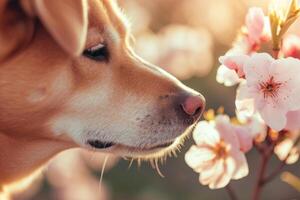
[(267, 104), (282, 164)]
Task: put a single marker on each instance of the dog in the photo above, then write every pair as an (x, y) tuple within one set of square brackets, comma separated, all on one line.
[(69, 78)]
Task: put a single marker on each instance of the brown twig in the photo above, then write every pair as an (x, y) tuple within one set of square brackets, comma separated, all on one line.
[(261, 173), (266, 153), (231, 192), (259, 147), (282, 164)]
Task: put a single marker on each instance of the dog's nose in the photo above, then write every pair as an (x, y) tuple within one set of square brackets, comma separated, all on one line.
[(193, 105)]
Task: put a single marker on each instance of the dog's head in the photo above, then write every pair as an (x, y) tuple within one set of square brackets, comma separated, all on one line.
[(75, 75)]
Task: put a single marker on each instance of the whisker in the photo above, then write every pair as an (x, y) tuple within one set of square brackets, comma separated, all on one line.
[(130, 163), (126, 158), (139, 161), (161, 156), (157, 169), (102, 172), (152, 164)]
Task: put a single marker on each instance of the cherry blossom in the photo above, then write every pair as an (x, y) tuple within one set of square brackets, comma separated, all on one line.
[(246, 114), (235, 62), (255, 23), (267, 100), (231, 70), (227, 76), (257, 30), (218, 154), (274, 86)]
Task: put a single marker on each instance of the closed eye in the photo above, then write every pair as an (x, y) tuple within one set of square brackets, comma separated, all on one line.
[(98, 52)]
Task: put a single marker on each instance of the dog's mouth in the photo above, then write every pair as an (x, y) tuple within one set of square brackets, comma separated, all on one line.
[(162, 150), (97, 144), (145, 152)]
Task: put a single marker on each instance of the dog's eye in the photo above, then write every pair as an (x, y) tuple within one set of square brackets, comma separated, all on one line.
[(98, 52)]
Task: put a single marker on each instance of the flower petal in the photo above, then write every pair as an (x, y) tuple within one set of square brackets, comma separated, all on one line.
[(287, 71), (244, 103), (214, 176), (293, 120), (274, 117), (205, 133), (241, 165), (245, 138), (257, 126), (225, 177), (227, 76), (235, 62), (226, 131), (209, 175), (255, 23), (257, 68), (198, 157), (243, 91)]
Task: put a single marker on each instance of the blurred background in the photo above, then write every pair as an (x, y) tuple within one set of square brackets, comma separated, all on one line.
[(185, 37)]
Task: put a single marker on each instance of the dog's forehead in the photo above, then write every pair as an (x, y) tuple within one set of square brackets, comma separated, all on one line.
[(105, 15)]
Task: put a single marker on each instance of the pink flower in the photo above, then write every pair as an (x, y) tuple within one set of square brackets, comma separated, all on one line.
[(227, 76), (274, 86), (255, 22), (218, 155), (246, 114), (231, 71), (257, 31), (257, 28), (291, 46), (234, 62)]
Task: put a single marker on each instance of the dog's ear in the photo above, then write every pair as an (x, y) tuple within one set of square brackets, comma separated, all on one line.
[(16, 29), (66, 21)]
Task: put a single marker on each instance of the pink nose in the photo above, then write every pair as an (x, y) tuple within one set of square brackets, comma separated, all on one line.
[(194, 105)]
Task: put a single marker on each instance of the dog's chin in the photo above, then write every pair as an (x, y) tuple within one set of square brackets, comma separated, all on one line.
[(144, 153), (152, 152)]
